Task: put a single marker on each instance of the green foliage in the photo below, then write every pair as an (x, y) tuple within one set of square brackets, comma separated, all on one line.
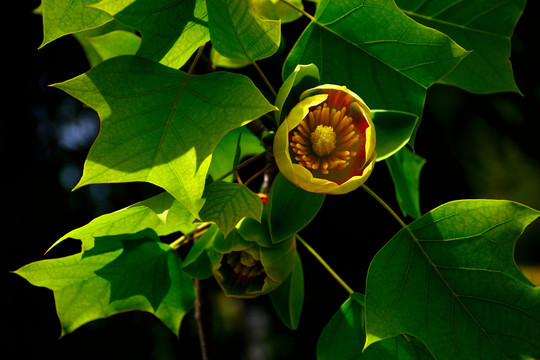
[(238, 33), (484, 28), (453, 268), (444, 287), (161, 125), (368, 46), (119, 273), (227, 203)]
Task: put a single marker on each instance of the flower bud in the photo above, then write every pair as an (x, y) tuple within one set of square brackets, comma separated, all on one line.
[(326, 144), (245, 269)]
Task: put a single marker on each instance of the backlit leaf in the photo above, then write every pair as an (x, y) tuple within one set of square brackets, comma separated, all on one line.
[(227, 203), (120, 273), (162, 213), (236, 32), (160, 125), (171, 30), (277, 10), (63, 17), (224, 153)]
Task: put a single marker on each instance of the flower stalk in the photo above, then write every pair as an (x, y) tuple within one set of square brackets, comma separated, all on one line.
[(325, 265)]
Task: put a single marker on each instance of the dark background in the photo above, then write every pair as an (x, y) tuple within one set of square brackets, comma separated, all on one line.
[(476, 146)]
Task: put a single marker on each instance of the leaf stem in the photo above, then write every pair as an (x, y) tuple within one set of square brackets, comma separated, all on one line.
[(387, 207), (195, 234), (265, 79), (196, 59), (302, 11), (258, 173), (241, 165), (325, 264)]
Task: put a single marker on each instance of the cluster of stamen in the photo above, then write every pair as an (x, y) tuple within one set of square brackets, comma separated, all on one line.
[(323, 138), (244, 268)]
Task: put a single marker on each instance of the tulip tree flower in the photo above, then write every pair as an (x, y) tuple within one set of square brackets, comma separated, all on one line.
[(326, 144), (245, 268)]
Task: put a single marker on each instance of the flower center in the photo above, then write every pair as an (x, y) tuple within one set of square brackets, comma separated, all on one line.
[(324, 139), (242, 268)]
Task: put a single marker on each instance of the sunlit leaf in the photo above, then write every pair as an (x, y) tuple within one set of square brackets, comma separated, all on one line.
[(161, 125), (120, 273), (63, 17), (171, 30), (224, 153), (227, 203), (455, 285), (198, 263), (277, 10), (162, 213), (236, 32), (114, 43)]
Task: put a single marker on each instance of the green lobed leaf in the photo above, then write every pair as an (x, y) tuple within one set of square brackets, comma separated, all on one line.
[(237, 33), (219, 60), (106, 41), (343, 337), (63, 17), (223, 156), (393, 130), (483, 27), (120, 273), (198, 263), (171, 30), (376, 51), (161, 125), (405, 167), (288, 298), (455, 285), (161, 213), (227, 203), (290, 208), (114, 43)]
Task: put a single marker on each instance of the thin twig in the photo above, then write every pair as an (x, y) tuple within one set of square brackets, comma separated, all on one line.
[(194, 235), (203, 317), (265, 79), (196, 59), (258, 173), (241, 165)]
